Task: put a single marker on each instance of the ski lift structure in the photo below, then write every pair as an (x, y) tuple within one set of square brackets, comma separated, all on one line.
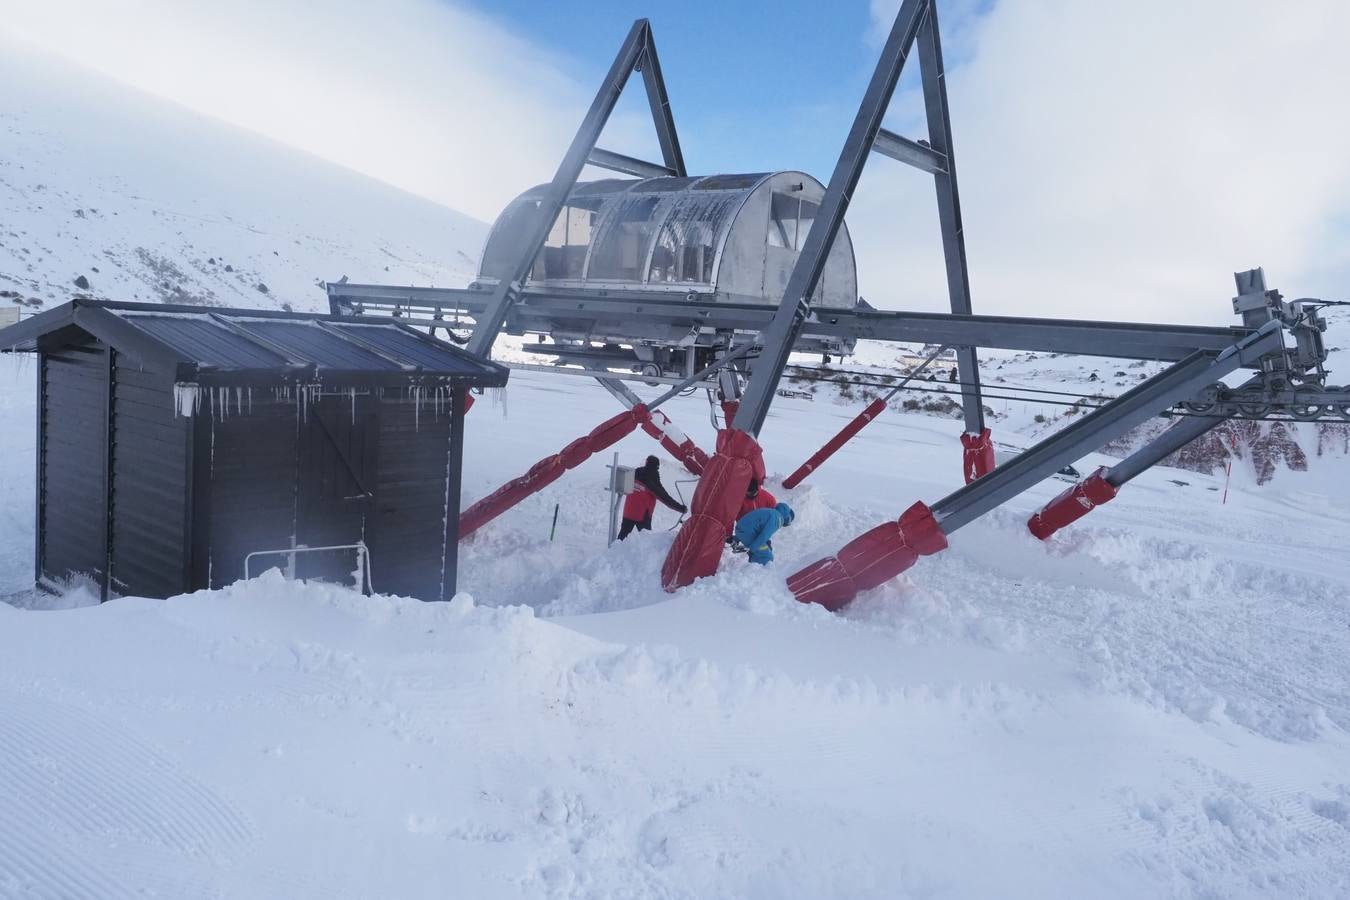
[(713, 281)]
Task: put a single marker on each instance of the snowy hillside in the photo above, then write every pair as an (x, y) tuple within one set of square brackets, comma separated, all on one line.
[(1155, 703), (138, 199)]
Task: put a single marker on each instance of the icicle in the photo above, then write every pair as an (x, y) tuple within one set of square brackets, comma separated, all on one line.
[(353, 393), (187, 399), (498, 397)]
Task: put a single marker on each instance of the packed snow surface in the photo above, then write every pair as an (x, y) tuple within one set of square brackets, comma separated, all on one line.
[(1154, 703)]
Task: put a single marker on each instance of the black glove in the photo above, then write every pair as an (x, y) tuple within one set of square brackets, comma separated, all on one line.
[(682, 508)]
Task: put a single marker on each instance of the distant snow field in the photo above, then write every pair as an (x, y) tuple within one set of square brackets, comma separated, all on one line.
[(1155, 703)]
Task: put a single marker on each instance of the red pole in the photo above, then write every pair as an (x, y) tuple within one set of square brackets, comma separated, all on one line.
[(857, 424), (845, 435), (550, 469)]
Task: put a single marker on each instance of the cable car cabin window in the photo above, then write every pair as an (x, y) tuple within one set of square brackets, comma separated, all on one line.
[(504, 243), (790, 219), (625, 233), (564, 251), (686, 249)]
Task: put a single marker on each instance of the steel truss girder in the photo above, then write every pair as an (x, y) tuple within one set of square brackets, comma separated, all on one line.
[(638, 52), (1147, 399), (538, 311)]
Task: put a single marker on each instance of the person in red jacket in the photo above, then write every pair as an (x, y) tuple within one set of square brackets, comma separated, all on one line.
[(755, 498), (639, 505)]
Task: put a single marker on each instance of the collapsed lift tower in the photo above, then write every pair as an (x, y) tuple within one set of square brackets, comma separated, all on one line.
[(623, 283)]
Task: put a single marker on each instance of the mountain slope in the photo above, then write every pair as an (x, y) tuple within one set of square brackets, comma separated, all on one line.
[(145, 200)]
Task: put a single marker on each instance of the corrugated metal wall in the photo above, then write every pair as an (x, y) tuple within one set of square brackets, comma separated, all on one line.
[(257, 468), (150, 471), (407, 535), (337, 480), (72, 536), (252, 460)]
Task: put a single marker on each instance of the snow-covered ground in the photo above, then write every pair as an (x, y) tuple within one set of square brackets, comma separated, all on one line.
[(1154, 703)]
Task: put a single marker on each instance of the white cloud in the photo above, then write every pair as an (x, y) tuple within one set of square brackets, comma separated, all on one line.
[(1118, 161), (418, 93)]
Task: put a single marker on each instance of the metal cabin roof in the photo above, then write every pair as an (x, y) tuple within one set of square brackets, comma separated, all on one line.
[(222, 346)]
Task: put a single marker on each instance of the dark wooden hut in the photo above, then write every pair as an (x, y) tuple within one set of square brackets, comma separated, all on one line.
[(173, 442)]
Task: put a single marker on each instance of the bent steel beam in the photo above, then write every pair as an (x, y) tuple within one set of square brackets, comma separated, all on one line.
[(1190, 428), (1101, 486), (792, 311), (892, 547), (1178, 382)]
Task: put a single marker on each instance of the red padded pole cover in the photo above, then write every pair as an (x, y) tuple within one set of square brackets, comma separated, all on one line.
[(1073, 504), (978, 455), (468, 400), (869, 560), (676, 442), (874, 409), (698, 546), (550, 469), (729, 409)]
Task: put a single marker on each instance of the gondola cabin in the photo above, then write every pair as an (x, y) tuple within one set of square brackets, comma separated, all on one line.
[(179, 447)]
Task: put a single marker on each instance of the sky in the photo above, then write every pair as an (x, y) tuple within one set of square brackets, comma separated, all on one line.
[(1116, 161)]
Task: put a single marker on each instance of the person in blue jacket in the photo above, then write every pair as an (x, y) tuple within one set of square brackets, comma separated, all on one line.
[(756, 528)]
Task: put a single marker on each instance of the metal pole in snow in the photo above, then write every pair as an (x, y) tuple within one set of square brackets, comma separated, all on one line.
[(554, 528), (613, 501), (1228, 474)]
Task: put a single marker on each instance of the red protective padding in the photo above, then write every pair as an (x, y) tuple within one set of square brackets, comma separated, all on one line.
[(550, 469), (845, 435), (977, 455), (468, 400), (1073, 504), (869, 560), (676, 442), (611, 431), (698, 547), (729, 410)]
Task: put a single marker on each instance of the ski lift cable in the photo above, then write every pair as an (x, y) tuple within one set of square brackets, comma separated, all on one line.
[(1083, 403)]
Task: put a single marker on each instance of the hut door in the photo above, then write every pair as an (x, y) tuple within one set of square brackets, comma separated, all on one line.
[(337, 483)]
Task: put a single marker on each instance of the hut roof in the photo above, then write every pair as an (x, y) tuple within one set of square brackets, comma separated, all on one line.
[(222, 346)]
